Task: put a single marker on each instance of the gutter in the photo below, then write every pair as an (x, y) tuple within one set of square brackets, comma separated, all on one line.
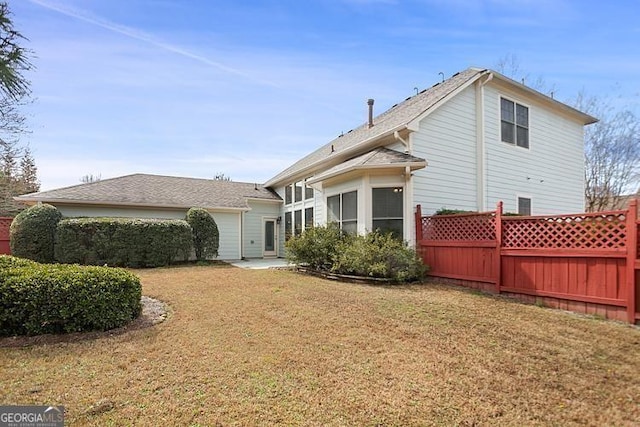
[(411, 165), (339, 156), (124, 204)]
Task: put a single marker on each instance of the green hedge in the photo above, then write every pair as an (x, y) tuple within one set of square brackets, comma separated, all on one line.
[(53, 298), (376, 255), (32, 233), (206, 236), (316, 247), (122, 242)]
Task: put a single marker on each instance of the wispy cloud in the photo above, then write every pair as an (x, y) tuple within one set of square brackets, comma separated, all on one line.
[(143, 36)]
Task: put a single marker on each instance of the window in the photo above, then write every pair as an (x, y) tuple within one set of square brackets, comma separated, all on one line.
[(524, 206), (308, 192), (287, 195), (388, 211), (343, 209), (297, 222), (288, 226), (298, 193), (514, 120), (308, 218)]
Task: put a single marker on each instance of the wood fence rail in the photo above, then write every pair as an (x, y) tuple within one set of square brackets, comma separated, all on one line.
[(586, 262), (5, 223)]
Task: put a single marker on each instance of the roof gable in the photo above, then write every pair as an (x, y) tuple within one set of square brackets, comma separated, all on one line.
[(405, 115), (395, 118), (380, 157), (158, 191)]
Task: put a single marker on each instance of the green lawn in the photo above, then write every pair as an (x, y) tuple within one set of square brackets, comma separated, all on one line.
[(265, 347)]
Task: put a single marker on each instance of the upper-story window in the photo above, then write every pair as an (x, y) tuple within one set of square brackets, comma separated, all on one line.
[(514, 119), (287, 195), (308, 192), (298, 191)]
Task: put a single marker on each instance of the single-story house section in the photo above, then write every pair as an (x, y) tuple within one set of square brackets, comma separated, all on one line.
[(466, 143), (246, 213)]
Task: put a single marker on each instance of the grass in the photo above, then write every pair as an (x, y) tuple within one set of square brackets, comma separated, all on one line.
[(256, 347)]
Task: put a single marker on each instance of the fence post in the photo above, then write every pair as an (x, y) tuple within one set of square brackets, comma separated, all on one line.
[(418, 224), (632, 255), (498, 255)]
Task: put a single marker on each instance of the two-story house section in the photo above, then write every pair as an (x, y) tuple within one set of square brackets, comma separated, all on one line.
[(466, 143)]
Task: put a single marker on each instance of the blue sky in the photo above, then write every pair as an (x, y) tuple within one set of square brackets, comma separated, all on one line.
[(198, 87)]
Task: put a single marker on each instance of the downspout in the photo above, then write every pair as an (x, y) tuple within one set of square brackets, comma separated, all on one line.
[(480, 143), (408, 192)]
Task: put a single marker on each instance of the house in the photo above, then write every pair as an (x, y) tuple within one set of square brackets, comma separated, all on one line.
[(241, 210), (465, 143)]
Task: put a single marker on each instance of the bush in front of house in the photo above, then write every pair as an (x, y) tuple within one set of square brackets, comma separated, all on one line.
[(122, 242), (316, 247), (447, 211), (375, 255), (206, 236), (378, 255), (54, 298), (32, 233)]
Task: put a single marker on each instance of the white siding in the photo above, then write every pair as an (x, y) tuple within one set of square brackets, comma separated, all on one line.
[(447, 140), (550, 172), (228, 222), (229, 228), (254, 227)]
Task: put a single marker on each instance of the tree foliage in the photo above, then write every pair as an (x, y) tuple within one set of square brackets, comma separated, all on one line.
[(611, 146), (612, 154), (18, 172), (89, 178), (14, 59), (32, 233), (206, 236)]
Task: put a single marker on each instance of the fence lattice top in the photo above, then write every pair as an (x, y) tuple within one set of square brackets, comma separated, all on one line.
[(459, 227), (5, 223), (606, 230)]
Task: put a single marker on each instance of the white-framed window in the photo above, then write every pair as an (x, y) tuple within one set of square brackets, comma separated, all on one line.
[(343, 209), (308, 191), (388, 210), (287, 195), (298, 191), (514, 123), (524, 206)]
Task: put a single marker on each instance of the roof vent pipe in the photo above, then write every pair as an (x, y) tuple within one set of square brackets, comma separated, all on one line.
[(370, 104)]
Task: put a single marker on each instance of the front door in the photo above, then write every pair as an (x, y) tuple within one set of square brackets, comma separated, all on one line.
[(270, 238)]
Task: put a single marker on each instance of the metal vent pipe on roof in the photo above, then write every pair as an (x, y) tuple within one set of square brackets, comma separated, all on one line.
[(370, 104)]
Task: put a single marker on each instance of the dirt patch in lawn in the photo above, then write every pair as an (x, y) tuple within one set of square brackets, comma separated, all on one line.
[(153, 312), (269, 347)]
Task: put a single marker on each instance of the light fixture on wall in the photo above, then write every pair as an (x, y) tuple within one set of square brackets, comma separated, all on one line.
[(279, 220)]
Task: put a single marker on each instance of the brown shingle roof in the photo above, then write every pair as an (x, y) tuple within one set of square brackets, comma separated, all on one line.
[(396, 117), (379, 157), (158, 191), (400, 116)]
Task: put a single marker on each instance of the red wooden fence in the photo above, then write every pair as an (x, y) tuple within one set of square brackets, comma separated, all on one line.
[(5, 223), (585, 262)]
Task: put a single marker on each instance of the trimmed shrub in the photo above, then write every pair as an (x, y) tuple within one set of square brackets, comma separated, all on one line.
[(378, 255), (53, 298), (316, 247), (122, 242), (206, 237), (447, 211), (32, 233)]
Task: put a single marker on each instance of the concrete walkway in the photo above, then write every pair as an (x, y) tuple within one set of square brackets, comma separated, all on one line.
[(260, 263)]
